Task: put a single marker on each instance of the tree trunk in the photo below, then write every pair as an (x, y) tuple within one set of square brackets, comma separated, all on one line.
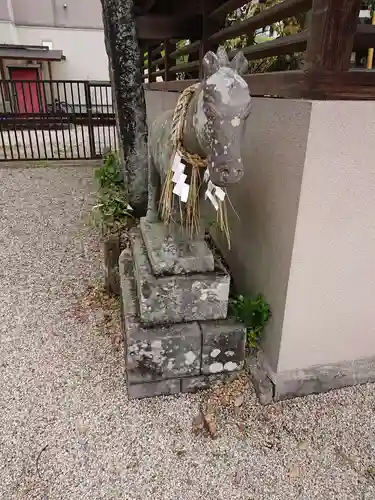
[(125, 63)]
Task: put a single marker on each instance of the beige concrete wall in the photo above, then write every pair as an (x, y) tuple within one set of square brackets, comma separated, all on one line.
[(266, 201), (157, 102), (329, 315)]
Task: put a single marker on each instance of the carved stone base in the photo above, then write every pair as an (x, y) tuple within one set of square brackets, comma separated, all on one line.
[(177, 298), (178, 357), (171, 251)]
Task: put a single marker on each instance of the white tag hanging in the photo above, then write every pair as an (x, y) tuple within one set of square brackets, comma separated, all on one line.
[(179, 170), (206, 175), (179, 182), (209, 188), (181, 189), (219, 193), (184, 192), (212, 199), (176, 162)]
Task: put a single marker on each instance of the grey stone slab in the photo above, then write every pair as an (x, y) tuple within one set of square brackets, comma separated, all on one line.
[(263, 386), (171, 251), (223, 346), (179, 298), (152, 389), (194, 384), (163, 352)]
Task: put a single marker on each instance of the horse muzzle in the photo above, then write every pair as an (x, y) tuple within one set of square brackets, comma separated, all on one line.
[(227, 173)]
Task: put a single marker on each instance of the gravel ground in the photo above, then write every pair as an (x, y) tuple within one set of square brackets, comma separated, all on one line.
[(67, 428)]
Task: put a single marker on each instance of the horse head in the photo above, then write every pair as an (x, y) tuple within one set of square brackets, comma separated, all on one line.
[(222, 108)]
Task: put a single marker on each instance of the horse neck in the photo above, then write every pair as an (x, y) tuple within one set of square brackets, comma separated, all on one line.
[(190, 140)]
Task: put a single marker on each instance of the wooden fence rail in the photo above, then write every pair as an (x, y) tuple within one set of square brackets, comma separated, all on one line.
[(324, 43)]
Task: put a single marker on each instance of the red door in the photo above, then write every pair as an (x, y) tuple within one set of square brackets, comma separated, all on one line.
[(27, 92)]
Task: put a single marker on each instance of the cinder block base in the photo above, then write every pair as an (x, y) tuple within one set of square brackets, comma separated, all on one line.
[(223, 346), (152, 389), (194, 384), (173, 386), (163, 352)]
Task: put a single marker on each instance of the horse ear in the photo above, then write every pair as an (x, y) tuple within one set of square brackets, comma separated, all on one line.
[(210, 64), (222, 56), (240, 63)]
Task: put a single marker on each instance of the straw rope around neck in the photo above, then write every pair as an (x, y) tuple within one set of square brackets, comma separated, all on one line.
[(190, 220)]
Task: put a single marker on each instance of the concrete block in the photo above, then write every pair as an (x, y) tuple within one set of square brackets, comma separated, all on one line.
[(171, 251), (179, 298), (152, 389), (223, 346), (162, 352)]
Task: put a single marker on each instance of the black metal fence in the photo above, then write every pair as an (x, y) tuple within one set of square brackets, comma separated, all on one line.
[(56, 120)]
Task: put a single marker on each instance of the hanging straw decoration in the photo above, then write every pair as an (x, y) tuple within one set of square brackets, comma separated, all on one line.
[(190, 217)]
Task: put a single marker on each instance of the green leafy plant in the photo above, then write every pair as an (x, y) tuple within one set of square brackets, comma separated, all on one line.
[(110, 174), (254, 313), (370, 5), (112, 210)]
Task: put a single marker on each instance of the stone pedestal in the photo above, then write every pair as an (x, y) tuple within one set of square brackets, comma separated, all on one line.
[(171, 252), (174, 308)]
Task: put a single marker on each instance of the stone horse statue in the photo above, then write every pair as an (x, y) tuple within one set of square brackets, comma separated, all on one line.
[(213, 128)]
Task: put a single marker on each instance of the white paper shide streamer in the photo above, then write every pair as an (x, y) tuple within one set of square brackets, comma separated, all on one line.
[(181, 188), (214, 193)]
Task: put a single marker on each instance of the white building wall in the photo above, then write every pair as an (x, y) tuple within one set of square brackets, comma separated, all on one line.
[(84, 49), (8, 33)]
